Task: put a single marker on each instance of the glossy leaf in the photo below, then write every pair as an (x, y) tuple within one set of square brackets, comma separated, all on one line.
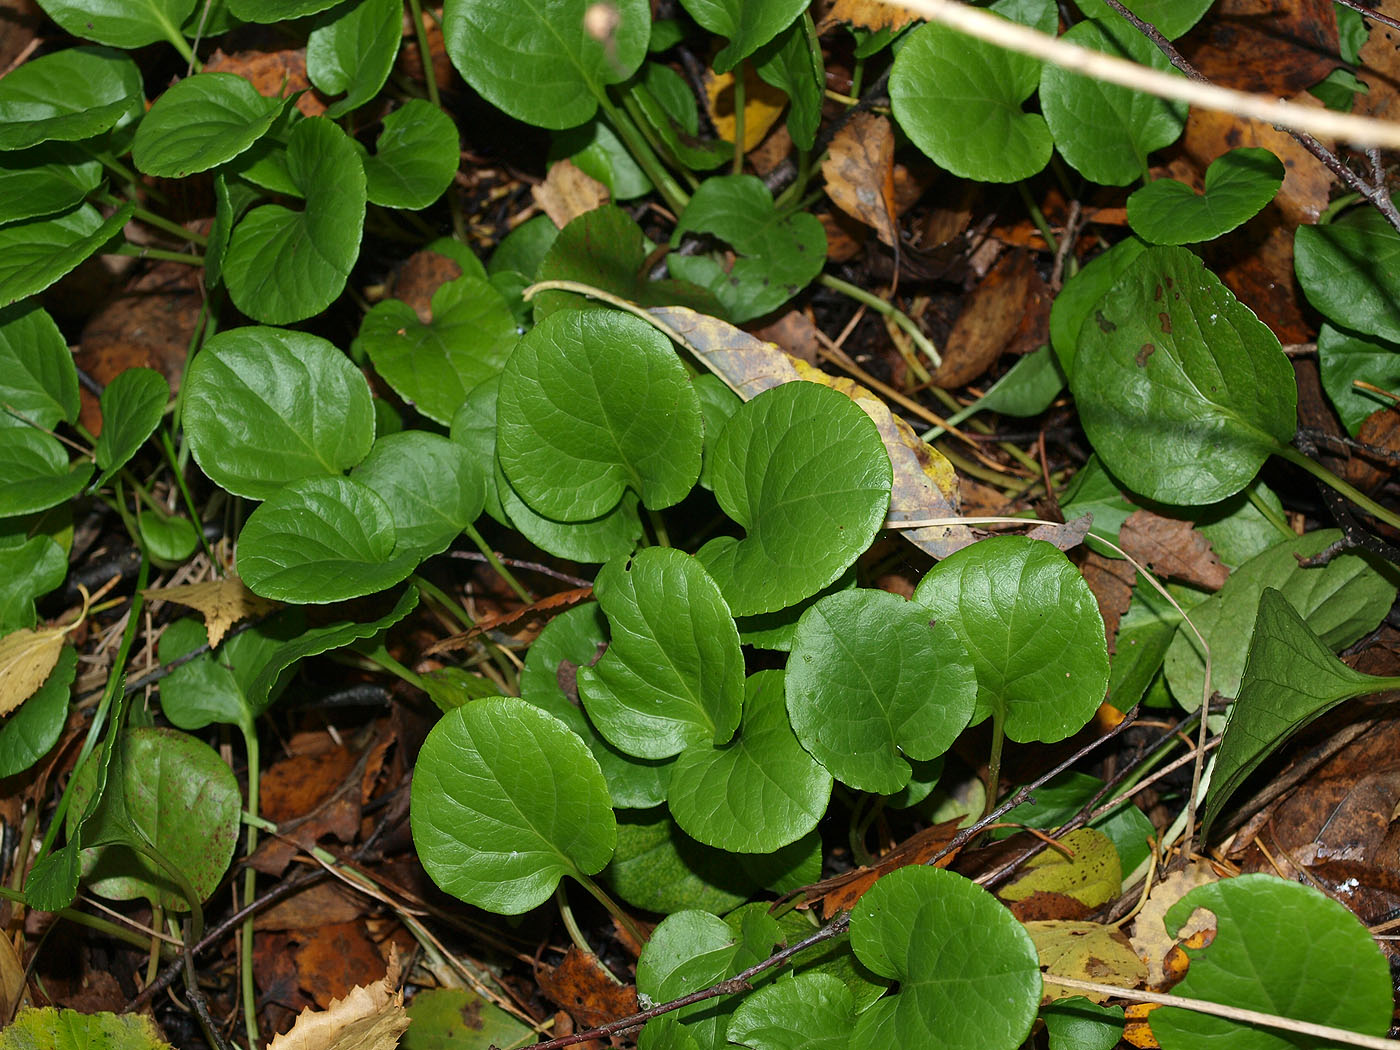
[(792, 63), (1029, 386), (592, 404), (167, 538), (747, 24), (28, 570), (474, 428), (432, 366), (757, 793), (48, 1028), (1350, 272), (506, 800), (351, 51), (201, 122), (1033, 630), (1171, 17), (1238, 185), (37, 377), (611, 535), (596, 151), (132, 406), (1345, 357), (1081, 294), (957, 991), (35, 254), (213, 687), (414, 157), (285, 265), (45, 180), (1077, 1023), (267, 11), (540, 64), (803, 472), (266, 406), (67, 96), (432, 488), (121, 23), (778, 255), (673, 676), (873, 681), (775, 630), (813, 1011), (29, 733), (322, 540), (1182, 390), (34, 472), (659, 868), (1279, 948)]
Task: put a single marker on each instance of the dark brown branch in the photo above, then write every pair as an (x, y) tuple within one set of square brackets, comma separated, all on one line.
[(1369, 12)]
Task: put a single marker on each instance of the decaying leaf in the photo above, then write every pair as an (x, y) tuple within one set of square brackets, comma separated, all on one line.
[(568, 192), (1149, 933), (528, 617), (223, 603), (585, 990), (12, 983), (763, 105), (1172, 547), (989, 319), (841, 892), (371, 1017), (1093, 876), (1066, 536), (867, 14), (27, 657), (1088, 951), (859, 173)]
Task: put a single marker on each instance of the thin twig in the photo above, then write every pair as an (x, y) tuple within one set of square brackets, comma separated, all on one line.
[(1370, 12)]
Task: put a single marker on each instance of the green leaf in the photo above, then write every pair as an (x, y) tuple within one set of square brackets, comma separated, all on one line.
[(959, 990), (458, 1019), (68, 95), (1290, 678), (34, 472), (27, 734), (212, 688), (267, 406), (1171, 17), (1345, 357), (600, 539), (1239, 184), (45, 180), (1145, 632), (267, 11), (1182, 390), (351, 51), (1237, 529), (433, 366), (37, 377), (1105, 131), (748, 24), (1350, 272), (803, 471), (539, 63), (200, 123), (1342, 601), (432, 490), (960, 99), (506, 800), (756, 793), (872, 681), (596, 150), (659, 868), (474, 428), (1033, 629), (46, 1028), (28, 570), (1082, 292), (667, 106), (591, 404), (285, 265), (1077, 1023), (1028, 388), (775, 630), (132, 406), (792, 62), (121, 23), (525, 247), (321, 540), (165, 538), (673, 676), (1280, 948), (35, 254), (778, 255), (415, 156), (812, 1011)]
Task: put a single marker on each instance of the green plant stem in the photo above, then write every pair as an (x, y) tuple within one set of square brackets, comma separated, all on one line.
[(415, 11), (380, 658), (675, 197), (885, 309), (1335, 483), (658, 528), (496, 564), (740, 90), (160, 222), (127, 176), (613, 909), (857, 76), (168, 447), (431, 590), (1020, 455), (247, 992), (994, 763), (1270, 515), (665, 154), (92, 922), (1038, 217), (570, 923), (799, 182), (142, 252)]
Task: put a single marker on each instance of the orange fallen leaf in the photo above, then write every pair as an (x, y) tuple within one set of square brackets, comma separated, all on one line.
[(841, 892), (867, 14), (1172, 547), (528, 616)]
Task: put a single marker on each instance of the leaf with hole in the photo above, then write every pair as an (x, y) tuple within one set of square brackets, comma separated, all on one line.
[(1182, 390), (415, 156), (1033, 630), (506, 800), (35, 254), (132, 406), (1238, 186), (67, 96), (1345, 357), (201, 122), (45, 180), (1350, 272), (351, 51), (35, 473), (268, 406), (804, 473), (432, 488), (37, 377)]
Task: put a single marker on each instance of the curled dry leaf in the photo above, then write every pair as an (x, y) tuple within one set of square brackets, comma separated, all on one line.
[(223, 603), (583, 988), (859, 173), (1066, 536), (568, 192), (1172, 547), (841, 892), (371, 1017)]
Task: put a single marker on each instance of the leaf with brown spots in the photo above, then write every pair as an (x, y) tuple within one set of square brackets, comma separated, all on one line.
[(859, 173), (1172, 547), (1088, 951)]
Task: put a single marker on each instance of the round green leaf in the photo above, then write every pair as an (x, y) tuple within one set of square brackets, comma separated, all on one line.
[(659, 868), (166, 538), (1076, 1023), (591, 404), (201, 122), (1082, 292), (673, 676), (1182, 390), (871, 681), (803, 471), (748, 24), (969, 976), (757, 793), (35, 254), (45, 180), (525, 247), (1280, 948), (132, 405), (121, 23), (1105, 131), (1033, 630), (37, 377), (1350, 272), (1345, 357), (433, 366), (34, 472), (285, 265), (27, 735), (1238, 184), (611, 535), (267, 11), (265, 406), (352, 49), (959, 99), (506, 800), (431, 486), (321, 540), (68, 95), (415, 156), (811, 1011), (539, 63)]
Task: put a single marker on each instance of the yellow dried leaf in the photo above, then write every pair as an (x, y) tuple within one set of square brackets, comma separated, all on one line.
[(27, 657), (371, 1017), (568, 192), (1149, 932), (12, 983), (763, 105), (1093, 876), (867, 14), (859, 173), (223, 602), (1088, 951)]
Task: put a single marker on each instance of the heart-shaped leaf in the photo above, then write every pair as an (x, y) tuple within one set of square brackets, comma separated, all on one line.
[(352, 49), (27, 735), (201, 122), (121, 23), (285, 265), (811, 1011), (432, 488), (265, 406), (659, 868), (541, 64), (969, 975), (1182, 390), (37, 377), (871, 681), (1033, 630), (34, 472), (1239, 184), (591, 404), (132, 405), (748, 24), (803, 471), (414, 157), (35, 254), (1350, 272), (45, 180), (1345, 357), (673, 676), (506, 800), (68, 95)]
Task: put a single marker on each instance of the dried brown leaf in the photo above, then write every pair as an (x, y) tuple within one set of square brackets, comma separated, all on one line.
[(859, 173), (223, 603), (1172, 547), (370, 1017), (841, 892), (1149, 933), (583, 987), (988, 321), (568, 192)]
